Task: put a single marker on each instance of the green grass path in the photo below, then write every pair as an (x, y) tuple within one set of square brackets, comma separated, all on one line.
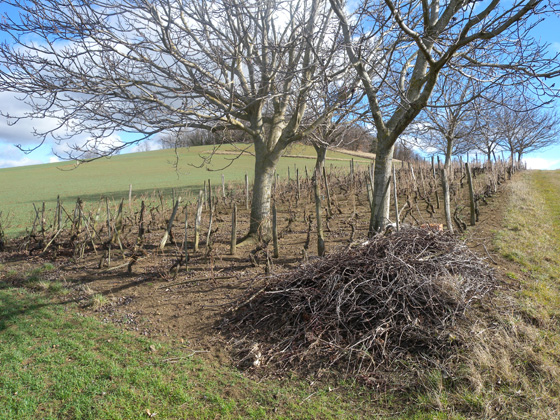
[(531, 238)]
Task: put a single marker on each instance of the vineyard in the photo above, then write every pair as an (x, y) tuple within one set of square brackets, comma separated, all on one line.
[(208, 225), (295, 247), (194, 242)]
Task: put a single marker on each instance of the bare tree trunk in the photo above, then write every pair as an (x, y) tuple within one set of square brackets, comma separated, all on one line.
[(265, 164), (512, 158), (445, 184), (321, 151), (320, 236), (382, 177)]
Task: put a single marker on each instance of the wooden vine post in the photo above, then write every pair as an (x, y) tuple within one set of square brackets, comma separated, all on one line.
[(369, 189), (211, 218), (118, 227), (209, 195), (297, 185), (233, 243), (433, 168), (471, 194), (329, 209), (246, 191), (141, 230), (446, 199), (58, 214), (185, 248), (274, 232), (204, 194), (198, 219), (397, 223)]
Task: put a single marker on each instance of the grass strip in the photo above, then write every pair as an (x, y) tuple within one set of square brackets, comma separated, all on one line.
[(59, 364)]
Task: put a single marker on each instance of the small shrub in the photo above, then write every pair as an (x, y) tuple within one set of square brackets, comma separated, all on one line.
[(56, 287), (48, 267), (42, 285), (98, 301)]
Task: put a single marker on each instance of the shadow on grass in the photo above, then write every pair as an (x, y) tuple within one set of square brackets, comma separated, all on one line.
[(15, 303)]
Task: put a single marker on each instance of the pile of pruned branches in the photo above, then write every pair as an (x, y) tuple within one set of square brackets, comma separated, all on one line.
[(362, 308)]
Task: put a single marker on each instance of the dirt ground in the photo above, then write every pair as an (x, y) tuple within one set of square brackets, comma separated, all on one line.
[(187, 309)]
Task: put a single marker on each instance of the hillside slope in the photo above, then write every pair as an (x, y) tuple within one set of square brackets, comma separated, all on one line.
[(161, 170)]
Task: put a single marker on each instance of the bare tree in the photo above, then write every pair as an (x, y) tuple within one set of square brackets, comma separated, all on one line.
[(147, 66), (448, 123), (450, 118), (345, 129), (403, 150), (399, 48), (144, 147), (486, 137), (523, 128)]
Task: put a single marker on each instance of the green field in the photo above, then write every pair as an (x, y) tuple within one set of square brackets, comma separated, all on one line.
[(148, 171)]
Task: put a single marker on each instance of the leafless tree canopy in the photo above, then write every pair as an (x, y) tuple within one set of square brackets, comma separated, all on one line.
[(522, 129), (106, 66), (450, 118), (103, 66), (399, 48)]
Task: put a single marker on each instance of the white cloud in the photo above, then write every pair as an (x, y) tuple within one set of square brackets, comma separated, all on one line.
[(12, 156), (24, 161), (22, 131), (144, 146), (541, 163)]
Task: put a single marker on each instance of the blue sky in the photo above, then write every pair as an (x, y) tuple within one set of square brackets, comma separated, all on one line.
[(22, 133)]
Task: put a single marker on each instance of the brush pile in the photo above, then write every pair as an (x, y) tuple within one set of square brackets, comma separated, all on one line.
[(392, 298)]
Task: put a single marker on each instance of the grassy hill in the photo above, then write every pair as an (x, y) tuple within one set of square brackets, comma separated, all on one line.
[(162, 170)]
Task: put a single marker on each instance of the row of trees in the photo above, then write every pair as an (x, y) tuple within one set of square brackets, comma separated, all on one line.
[(349, 136), (508, 121), (276, 71)]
